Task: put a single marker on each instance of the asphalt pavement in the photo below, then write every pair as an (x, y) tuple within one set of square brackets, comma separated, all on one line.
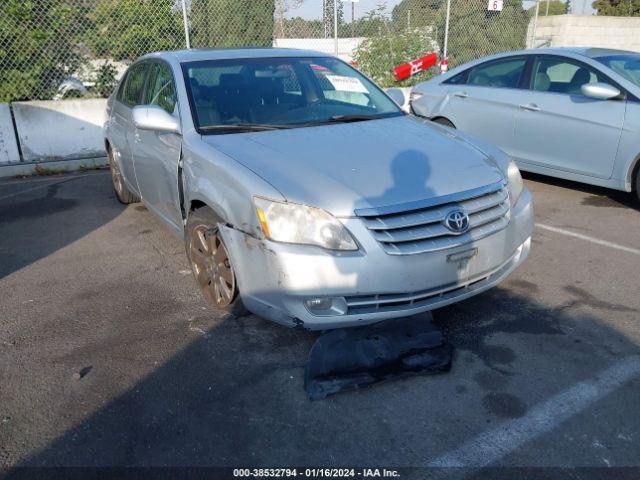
[(109, 356)]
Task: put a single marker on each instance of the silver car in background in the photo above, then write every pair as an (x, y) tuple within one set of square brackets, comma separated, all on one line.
[(572, 113), (304, 194)]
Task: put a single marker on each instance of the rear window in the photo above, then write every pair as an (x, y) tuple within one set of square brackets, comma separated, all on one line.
[(498, 74), (134, 84)]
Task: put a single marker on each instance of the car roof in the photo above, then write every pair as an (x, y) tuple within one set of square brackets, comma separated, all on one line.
[(199, 54), (590, 52)]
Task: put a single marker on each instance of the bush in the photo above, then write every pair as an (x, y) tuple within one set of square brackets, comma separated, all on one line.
[(37, 48), (127, 29), (105, 79), (377, 55), (474, 32), (229, 23)]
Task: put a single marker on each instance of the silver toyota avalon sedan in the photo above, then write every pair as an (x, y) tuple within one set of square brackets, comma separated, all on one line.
[(304, 194)]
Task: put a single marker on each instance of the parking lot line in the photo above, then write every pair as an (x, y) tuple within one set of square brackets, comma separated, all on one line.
[(569, 233), (491, 446)]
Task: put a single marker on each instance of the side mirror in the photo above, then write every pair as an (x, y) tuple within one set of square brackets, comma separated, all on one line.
[(151, 117), (398, 96), (599, 91)]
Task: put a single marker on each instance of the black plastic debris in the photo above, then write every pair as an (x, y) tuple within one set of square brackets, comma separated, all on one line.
[(350, 358)]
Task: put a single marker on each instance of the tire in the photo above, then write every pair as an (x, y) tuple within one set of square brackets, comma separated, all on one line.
[(210, 262), (445, 122), (123, 194), (637, 184)]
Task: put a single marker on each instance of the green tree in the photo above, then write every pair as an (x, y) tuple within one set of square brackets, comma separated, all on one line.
[(618, 8), (127, 29), (378, 54), (415, 13), (474, 32), (37, 48), (556, 7), (225, 23)]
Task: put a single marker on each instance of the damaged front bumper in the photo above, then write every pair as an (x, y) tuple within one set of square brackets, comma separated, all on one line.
[(305, 286)]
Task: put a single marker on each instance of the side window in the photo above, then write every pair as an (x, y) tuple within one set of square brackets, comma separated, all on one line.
[(134, 84), (161, 89), (458, 79), (121, 88), (558, 75), (504, 73)]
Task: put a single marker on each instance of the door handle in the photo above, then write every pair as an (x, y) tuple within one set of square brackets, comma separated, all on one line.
[(461, 94), (532, 107)]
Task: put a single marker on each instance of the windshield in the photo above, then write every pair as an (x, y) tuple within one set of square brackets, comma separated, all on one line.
[(626, 65), (237, 95)]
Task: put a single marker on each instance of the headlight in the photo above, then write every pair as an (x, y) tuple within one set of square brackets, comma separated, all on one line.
[(515, 182), (294, 223)]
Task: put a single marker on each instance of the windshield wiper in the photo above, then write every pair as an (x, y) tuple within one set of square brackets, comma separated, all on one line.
[(243, 127), (351, 118)]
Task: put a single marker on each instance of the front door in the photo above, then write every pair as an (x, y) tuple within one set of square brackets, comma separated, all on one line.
[(486, 105), (122, 126), (558, 127), (156, 154)]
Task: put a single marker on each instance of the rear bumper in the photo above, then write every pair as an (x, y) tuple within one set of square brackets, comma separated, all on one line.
[(370, 285)]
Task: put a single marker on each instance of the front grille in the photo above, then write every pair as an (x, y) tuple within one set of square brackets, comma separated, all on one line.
[(392, 302), (419, 227)]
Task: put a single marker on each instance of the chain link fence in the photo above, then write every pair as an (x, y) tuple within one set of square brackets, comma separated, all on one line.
[(52, 49)]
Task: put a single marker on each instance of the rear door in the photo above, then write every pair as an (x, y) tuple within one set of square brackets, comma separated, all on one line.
[(486, 104), (156, 154), (122, 126), (558, 127)]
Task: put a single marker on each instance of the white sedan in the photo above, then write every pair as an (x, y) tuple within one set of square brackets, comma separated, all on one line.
[(572, 113)]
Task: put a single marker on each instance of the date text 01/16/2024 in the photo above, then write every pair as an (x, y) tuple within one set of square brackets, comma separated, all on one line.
[(315, 473)]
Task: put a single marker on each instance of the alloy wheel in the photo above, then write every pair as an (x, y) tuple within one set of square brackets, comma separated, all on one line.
[(211, 266)]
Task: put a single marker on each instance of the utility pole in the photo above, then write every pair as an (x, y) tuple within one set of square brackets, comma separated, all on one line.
[(353, 18), (546, 13)]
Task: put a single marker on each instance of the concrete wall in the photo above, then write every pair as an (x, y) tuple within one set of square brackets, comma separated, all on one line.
[(8, 144), (586, 31), (60, 130), (346, 46)]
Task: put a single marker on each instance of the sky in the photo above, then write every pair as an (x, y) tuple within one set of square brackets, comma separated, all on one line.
[(313, 8)]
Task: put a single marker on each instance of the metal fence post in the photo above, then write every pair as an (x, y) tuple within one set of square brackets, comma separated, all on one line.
[(535, 25), (335, 25), (446, 31), (185, 18)]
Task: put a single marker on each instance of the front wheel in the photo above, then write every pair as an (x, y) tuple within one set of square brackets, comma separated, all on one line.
[(638, 184), (210, 262)]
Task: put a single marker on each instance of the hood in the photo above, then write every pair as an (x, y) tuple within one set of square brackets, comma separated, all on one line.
[(347, 166)]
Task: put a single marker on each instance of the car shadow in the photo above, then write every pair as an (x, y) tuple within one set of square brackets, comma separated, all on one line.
[(41, 216), (598, 196)]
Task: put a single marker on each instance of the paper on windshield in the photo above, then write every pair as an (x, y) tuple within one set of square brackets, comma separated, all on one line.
[(347, 84)]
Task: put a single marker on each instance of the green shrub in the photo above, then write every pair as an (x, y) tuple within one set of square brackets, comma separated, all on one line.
[(377, 55), (37, 48)]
